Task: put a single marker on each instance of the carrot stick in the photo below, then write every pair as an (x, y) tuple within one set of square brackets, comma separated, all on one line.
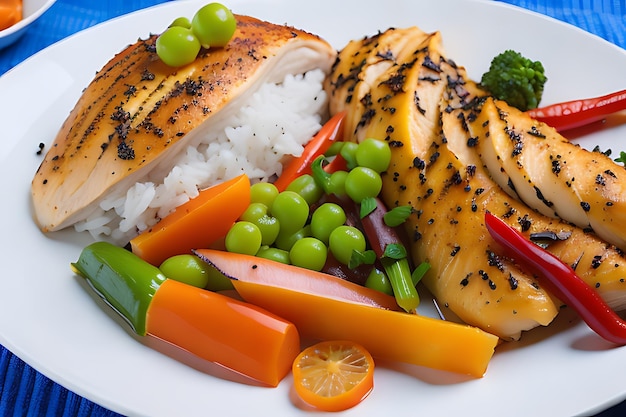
[(220, 329), (196, 224)]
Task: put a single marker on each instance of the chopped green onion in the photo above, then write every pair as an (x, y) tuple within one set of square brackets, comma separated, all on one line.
[(368, 205), (321, 177), (359, 258), (397, 215), (419, 272), (395, 251), (399, 275)]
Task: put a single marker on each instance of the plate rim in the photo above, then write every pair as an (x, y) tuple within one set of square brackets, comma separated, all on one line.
[(62, 44)]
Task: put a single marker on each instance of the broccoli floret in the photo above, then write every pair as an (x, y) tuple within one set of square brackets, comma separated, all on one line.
[(515, 79)]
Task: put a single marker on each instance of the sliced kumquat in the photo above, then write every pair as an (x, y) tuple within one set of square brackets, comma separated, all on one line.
[(10, 13), (333, 375)]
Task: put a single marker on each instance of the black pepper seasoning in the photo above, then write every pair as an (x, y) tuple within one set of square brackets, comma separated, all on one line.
[(596, 261), (513, 282), (465, 281)]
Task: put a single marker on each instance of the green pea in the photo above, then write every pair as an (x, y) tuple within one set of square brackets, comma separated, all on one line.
[(334, 149), (186, 268), (337, 184), (343, 240), (309, 253), (325, 219), (348, 152), (244, 237), (177, 46), (274, 254), (182, 22), (291, 210), (263, 192), (269, 226), (286, 240), (374, 154), (363, 182), (214, 25), (307, 187), (253, 212), (378, 280)]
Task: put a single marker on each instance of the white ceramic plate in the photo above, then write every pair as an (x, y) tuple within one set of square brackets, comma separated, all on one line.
[(51, 322)]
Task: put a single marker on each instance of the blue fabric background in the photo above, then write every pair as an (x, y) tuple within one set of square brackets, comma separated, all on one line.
[(24, 391)]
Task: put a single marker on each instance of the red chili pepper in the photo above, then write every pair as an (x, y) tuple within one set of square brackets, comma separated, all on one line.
[(338, 163), (560, 279), (332, 131), (576, 113)]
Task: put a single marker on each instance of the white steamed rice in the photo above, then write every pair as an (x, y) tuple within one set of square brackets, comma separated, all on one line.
[(277, 121)]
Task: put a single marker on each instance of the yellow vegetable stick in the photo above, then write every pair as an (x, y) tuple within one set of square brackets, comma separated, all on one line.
[(389, 335), (322, 310)]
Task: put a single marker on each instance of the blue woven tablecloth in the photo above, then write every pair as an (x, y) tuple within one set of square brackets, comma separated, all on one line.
[(24, 391)]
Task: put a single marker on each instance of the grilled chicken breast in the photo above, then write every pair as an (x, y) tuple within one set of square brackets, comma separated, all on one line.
[(423, 104), (137, 112), (534, 163)]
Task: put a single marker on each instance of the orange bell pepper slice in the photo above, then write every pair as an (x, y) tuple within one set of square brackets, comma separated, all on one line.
[(386, 334), (331, 132), (196, 224), (223, 330)]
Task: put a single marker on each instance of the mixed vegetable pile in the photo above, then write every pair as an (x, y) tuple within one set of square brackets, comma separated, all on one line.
[(315, 255), (332, 219), (320, 260)]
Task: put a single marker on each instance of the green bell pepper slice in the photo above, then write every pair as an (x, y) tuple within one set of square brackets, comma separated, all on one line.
[(122, 279)]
